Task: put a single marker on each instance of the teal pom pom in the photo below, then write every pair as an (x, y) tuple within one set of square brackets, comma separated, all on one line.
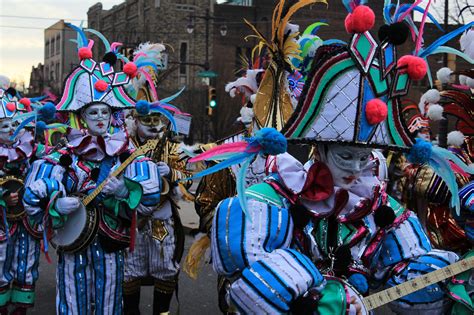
[(359, 282), (142, 107), (420, 152), (47, 112), (41, 126), (271, 141)]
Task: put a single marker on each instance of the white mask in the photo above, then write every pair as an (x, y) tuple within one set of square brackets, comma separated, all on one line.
[(97, 118), (7, 128), (346, 163), (150, 127), (424, 134)]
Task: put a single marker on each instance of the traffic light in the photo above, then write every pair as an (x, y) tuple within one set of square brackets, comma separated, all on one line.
[(212, 97)]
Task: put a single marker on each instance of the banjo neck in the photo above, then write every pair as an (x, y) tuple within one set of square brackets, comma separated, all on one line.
[(386, 296), (150, 145)]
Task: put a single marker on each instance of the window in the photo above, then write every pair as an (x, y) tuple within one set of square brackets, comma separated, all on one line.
[(183, 58), (46, 49), (58, 44), (46, 73), (157, 3), (51, 48), (58, 77)]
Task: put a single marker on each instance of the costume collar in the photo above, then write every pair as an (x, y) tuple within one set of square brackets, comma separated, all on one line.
[(21, 149), (96, 148)]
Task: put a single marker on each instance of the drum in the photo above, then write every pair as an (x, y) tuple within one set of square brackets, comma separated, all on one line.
[(336, 297), (78, 231), (35, 229), (11, 184)]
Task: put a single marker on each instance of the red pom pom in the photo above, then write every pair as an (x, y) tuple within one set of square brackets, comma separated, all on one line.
[(130, 69), (376, 111), (414, 66), (26, 103), (85, 53), (348, 24), (101, 86), (11, 107), (363, 19)]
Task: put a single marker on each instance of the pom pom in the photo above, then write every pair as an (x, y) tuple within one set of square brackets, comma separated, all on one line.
[(47, 112), (398, 33), (376, 111), (41, 126), (444, 75), (463, 79), (359, 282), (363, 19), (142, 107), (11, 107), (470, 83), (11, 91), (85, 53), (435, 112), (348, 24), (110, 58), (420, 152), (272, 142), (65, 161), (384, 216), (455, 138), (414, 66), (26, 102), (101, 86), (432, 96), (130, 69)]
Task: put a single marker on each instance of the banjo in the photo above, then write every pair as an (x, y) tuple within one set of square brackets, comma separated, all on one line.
[(82, 225), (388, 295)]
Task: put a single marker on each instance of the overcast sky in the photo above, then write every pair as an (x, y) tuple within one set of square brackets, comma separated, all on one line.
[(22, 24)]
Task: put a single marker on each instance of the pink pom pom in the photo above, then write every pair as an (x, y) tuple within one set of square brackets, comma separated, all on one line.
[(414, 66), (348, 24), (130, 69), (363, 19), (11, 107), (376, 111), (26, 102), (85, 53), (101, 86)]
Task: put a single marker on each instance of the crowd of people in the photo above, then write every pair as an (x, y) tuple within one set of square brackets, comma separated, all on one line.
[(379, 211)]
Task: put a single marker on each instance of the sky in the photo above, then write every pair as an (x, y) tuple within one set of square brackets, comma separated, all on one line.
[(22, 24)]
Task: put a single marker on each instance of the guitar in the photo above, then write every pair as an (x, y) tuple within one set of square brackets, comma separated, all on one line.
[(386, 296), (82, 225)]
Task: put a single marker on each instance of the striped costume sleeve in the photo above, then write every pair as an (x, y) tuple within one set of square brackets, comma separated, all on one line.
[(42, 180), (145, 172)]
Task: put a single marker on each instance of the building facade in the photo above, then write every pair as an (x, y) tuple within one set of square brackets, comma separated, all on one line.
[(60, 55), (37, 82)]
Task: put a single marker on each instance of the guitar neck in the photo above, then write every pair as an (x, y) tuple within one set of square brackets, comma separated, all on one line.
[(386, 296)]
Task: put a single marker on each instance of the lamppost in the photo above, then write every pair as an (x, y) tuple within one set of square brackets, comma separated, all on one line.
[(208, 18)]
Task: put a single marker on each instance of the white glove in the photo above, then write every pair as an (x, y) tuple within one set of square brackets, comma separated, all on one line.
[(163, 168), (67, 205), (116, 186)]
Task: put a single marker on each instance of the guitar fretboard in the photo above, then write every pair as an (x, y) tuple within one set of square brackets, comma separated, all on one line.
[(386, 296)]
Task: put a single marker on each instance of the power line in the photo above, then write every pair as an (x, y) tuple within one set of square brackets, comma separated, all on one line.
[(38, 18)]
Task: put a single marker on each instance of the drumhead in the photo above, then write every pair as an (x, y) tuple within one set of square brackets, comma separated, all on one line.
[(71, 229)]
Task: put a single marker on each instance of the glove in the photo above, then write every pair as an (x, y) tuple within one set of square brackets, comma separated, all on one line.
[(67, 205), (116, 186), (163, 168)]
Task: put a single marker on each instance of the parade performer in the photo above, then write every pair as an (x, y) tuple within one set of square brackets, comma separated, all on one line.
[(19, 248), (159, 241), (90, 242), (335, 211)]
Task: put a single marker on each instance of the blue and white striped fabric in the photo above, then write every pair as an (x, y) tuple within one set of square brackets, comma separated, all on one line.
[(403, 242), (89, 276), (239, 240), (432, 298), (270, 285)]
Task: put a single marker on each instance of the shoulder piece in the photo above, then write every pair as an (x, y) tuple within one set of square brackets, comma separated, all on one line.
[(265, 193)]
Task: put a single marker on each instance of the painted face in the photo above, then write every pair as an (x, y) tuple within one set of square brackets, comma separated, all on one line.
[(346, 163), (424, 134), (7, 128), (150, 126), (97, 117)]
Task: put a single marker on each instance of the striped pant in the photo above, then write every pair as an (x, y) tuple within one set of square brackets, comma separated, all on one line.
[(19, 260), (89, 282), (153, 257)]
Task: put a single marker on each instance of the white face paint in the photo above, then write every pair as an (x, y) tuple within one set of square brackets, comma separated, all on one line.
[(424, 134), (97, 118), (346, 163), (150, 126), (7, 128)]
